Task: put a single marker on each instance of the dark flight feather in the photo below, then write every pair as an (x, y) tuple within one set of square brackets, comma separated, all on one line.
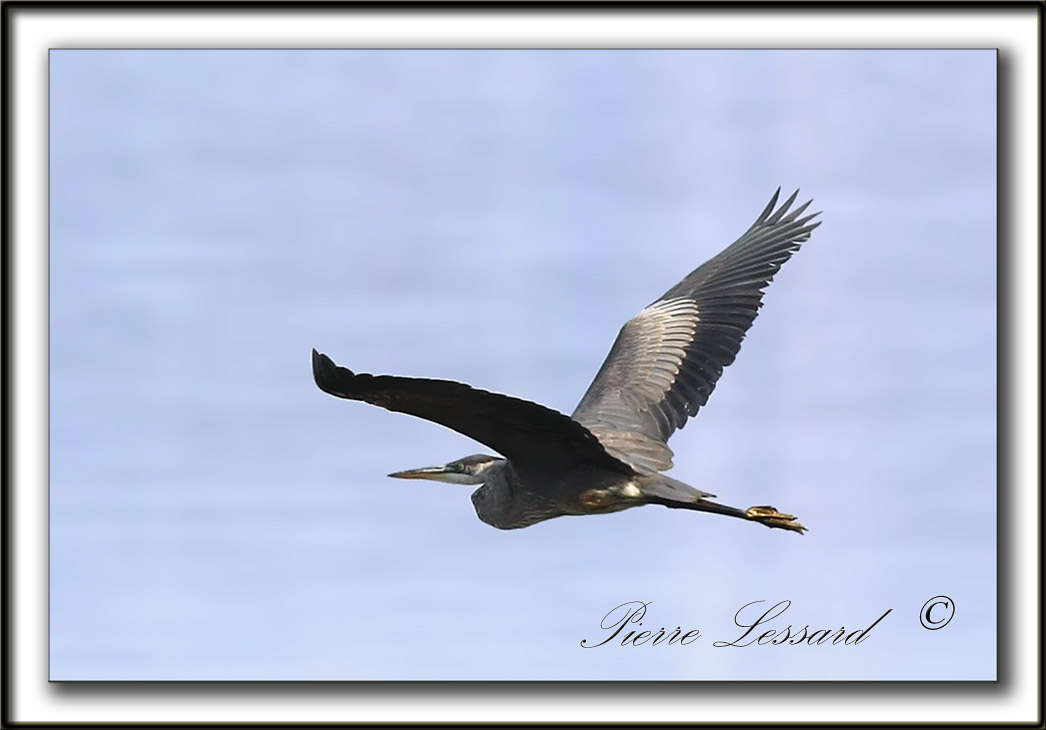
[(535, 439)]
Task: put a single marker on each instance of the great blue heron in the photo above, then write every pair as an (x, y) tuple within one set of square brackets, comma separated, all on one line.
[(609, 455)]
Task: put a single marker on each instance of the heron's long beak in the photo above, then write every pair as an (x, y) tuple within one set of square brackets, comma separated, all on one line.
[(434, 473)]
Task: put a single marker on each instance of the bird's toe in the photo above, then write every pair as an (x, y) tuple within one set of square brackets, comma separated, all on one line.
[(770, 517)]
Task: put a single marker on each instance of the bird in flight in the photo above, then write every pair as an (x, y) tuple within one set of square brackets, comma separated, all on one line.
[(610, 453)]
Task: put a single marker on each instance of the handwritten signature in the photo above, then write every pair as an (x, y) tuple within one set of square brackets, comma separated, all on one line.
[(756, 629)]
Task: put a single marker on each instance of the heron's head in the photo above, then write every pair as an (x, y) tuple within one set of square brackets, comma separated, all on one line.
[(469, 470)]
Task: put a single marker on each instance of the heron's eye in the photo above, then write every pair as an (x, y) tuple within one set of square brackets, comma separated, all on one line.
[(455, 466)]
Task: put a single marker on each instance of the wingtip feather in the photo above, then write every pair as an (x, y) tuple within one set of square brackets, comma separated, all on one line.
[(326, 373)]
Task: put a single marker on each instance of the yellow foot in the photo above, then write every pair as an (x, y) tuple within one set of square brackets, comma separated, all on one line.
[(772, 518)]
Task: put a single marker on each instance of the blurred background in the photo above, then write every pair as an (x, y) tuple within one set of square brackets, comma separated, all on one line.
[(494, 217)]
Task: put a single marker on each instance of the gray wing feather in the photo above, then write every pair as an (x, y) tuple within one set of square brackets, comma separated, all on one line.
[(666, 360)]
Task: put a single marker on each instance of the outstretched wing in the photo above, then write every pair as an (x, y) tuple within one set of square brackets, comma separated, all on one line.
[(667, 359), (537, 440)]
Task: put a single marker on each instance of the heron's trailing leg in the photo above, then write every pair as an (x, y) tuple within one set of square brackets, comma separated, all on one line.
[(763, 514)]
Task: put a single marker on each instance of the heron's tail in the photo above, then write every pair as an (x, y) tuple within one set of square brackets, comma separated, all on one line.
[(658, 486)]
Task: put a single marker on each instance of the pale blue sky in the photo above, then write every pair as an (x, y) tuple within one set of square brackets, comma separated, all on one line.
[(494, 217)]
